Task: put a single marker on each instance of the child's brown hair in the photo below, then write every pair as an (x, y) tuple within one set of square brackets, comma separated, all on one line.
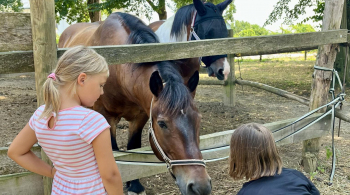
[(253, 153)]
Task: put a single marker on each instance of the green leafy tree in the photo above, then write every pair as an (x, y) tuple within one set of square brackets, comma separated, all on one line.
[(11, 6), (237, 26), (246, 33), (80, 10), (71, 11), (245, 29), (302, 28), (292, 14), (259, 31)]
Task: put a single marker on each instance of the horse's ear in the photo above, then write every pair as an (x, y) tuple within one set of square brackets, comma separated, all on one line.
[(198, 4), (155, 83), (193, 81), (222, 6)]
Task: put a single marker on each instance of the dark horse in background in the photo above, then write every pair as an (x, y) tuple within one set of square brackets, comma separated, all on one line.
[(205, 19), (131, 88)]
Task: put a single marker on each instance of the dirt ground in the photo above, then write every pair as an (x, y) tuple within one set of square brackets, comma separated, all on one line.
[(18, 102)]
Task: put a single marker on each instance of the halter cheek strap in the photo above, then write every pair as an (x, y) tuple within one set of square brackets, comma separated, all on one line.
[(193, 33), (170, 163)]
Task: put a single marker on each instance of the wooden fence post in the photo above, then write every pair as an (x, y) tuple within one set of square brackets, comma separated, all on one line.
[(45, 53), (229, 86), (341, 56), (321, 79)]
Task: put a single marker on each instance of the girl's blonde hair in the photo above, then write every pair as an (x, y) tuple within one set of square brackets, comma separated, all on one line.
[(253, 153), (70, 65)]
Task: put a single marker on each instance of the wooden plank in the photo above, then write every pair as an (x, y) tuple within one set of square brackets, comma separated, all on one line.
[(7, 165), (243, 46), (229, 87), (45, 56), (16, 32), (21, 183), (16, 62)]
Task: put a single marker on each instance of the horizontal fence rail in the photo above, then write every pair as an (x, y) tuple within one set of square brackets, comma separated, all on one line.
[(13, 62)]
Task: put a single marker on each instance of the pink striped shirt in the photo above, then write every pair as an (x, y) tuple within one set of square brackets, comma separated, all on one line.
[(68, 145)]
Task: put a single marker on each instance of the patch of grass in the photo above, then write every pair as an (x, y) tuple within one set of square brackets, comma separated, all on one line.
[(293, 75)]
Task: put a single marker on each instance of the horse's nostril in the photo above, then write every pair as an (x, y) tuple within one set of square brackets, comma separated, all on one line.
[(198, 188), (220, 74), (221, 71), (191, 189)]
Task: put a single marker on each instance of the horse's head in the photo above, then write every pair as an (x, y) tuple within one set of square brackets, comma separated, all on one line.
[(209, 24), (176, 121)]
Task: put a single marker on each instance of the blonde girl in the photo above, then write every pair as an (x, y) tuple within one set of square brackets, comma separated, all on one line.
[(75, 138), (254, 157)]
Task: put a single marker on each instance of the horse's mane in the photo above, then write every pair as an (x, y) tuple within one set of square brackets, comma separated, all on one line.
[(175, 95), (183, 18), (140, 33)]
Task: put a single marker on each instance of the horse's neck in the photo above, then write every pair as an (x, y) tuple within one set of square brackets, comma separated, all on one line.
[(164, 31)]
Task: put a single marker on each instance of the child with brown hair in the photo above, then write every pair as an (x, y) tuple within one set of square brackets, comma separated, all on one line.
[(254, 157)]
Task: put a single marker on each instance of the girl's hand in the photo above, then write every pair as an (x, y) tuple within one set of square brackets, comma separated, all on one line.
[(53, 172)]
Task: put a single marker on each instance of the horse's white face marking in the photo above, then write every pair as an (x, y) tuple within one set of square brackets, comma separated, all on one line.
[(164, 31), (226, 68)]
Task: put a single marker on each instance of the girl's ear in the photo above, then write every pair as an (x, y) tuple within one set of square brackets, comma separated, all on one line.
[(81, 79)]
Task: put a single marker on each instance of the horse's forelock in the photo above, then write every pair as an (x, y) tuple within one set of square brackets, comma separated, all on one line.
[(183, 18), (175, 96)]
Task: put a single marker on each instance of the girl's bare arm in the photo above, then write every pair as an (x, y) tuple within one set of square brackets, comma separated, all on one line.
[(20, 152), (106, 164)]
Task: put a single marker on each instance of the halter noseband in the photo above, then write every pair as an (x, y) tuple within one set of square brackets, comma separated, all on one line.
[(170, 163)]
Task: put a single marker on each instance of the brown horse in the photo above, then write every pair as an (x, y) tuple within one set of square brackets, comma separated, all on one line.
[(130, 89), (194, 22)]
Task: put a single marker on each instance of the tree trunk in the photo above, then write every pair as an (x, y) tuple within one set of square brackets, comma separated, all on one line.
[(321, 79), (162, 11), (305, 55), (94, 16)]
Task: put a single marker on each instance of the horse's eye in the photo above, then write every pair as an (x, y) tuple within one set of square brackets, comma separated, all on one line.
[(162, 124)]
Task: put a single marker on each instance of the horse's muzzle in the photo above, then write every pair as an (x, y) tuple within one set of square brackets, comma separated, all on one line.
[(197, 188), (193, 180), (219, 73)]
